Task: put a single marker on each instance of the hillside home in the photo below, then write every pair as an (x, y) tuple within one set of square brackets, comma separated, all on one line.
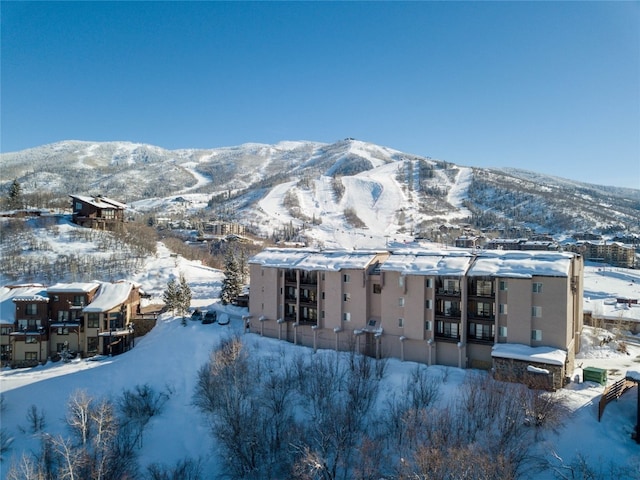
[(514, 312), (91, 318), (98, 212)]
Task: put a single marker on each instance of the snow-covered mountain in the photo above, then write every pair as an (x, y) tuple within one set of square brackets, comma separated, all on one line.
[(348, 185)]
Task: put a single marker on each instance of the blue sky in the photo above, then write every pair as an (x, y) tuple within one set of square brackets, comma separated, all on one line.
[(552, 87)]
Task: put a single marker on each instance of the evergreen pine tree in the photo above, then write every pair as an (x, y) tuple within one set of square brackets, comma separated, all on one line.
[(15, 194), (184, 297), (232, 283), (170, 295), (243, 267)]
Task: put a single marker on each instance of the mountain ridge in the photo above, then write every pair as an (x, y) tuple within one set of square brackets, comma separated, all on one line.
[(301, 183)]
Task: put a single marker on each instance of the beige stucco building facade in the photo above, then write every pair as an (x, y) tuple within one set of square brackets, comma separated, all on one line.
[(434, 307)]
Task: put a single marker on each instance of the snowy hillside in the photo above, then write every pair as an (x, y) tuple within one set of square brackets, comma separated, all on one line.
[(316, 188)]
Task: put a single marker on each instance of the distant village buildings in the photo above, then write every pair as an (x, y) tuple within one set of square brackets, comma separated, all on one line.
[(613, 253), (502, 310)]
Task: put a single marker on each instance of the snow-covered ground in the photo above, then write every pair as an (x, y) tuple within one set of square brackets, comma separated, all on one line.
[(169, 356)]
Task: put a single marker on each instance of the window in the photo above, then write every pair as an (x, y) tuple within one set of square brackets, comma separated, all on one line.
[(346, 278), (31, 355), (31, 339), (503, 285), (428, 283), (108, 213), (5, 330), (323, 295), (322, 314), (451, 286), (401, 281), (372, 323), (31, 309), (428, 304), (484, 288), (483, 309), (401, 302), (536, 335), (447, 329), (481, 331), (322, 276), (78, 206), (63, 315), (30, 325), (427, 325), (63, 331), (346, 297), (56, 298), (537, 287), (502, 332), (377, 288), (536, 312), (78, 299), (346, 316), (503, 308), (451, 308), (401, 322)]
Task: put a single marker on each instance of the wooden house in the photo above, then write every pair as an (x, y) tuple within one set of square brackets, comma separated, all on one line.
[(98, 212)]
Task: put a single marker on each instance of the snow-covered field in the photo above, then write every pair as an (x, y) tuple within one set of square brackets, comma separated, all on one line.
[(169, 356)]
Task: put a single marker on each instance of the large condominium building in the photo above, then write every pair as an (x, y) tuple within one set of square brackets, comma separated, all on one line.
[(517, 312)]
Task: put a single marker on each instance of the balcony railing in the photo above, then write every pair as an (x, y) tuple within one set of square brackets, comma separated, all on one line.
[(444, 291)]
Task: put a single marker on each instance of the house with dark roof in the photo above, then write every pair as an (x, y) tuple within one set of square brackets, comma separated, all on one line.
[(98, 212)]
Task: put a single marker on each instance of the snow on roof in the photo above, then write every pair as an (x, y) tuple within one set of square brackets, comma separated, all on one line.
[(522, 264), (633, 375), (110, 296), (517, 351), (337, 260), (9, 294), (425, 262), (304, 259), (100, 202), (77, 287)]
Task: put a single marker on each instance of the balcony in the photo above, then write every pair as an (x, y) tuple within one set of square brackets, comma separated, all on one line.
[(310, 301), (308, 280), (481, 332), (449, 313), (448, 292), (488, 316)]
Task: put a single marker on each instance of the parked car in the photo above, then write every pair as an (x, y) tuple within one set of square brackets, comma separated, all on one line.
[(224, 319), (210, 317), (196, 315)]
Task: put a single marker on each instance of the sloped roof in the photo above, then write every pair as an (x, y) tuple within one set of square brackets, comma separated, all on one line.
[(9, 294), (110, 296), (100, 202), (76, 287)]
